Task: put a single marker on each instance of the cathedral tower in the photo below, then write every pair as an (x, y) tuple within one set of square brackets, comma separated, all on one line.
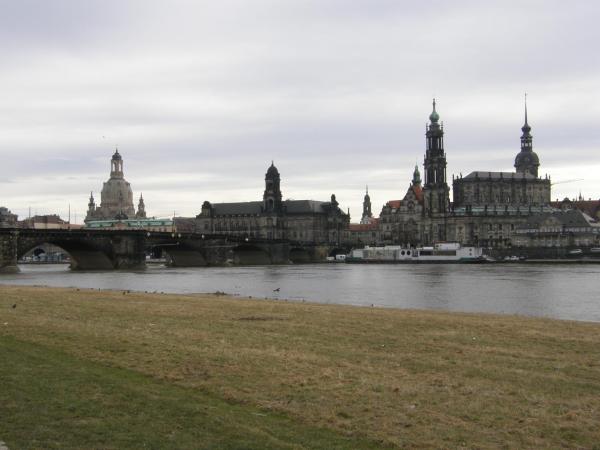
[(272, 194), (527, 161), (367, 215), (437, 193)]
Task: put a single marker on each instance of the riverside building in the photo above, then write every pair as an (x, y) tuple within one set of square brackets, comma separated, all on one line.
[(487, 209), (302, 221)]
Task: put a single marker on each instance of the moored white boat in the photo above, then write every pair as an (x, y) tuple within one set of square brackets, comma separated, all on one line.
[(443, 252)]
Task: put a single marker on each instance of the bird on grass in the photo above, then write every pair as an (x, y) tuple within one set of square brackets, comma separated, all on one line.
[(14, 306)]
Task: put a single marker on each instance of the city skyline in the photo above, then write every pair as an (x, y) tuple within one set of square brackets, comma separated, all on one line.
[(200, 98)]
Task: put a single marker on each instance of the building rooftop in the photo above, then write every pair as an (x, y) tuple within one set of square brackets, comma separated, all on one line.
[(480, 174), (508, 210), (568, 219), (357, 227), (255, 208)]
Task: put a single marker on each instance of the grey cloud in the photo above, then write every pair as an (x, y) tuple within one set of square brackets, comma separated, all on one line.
[(200, 96)]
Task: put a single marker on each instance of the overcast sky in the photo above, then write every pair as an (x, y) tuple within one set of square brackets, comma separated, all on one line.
[(200, 96)]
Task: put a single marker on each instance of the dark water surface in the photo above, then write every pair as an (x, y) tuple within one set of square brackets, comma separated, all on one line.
[(558, 291)]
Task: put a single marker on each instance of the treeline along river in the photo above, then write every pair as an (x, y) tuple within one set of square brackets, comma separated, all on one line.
[(567, 291)]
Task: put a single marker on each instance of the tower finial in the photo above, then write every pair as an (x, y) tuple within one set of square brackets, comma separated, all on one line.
[(367, 188), (526, 128), (434, 116)]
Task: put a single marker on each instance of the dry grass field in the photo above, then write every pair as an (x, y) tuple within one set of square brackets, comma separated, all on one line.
[(287, 375)]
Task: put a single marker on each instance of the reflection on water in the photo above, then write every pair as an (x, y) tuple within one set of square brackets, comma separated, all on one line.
[(560, 291)]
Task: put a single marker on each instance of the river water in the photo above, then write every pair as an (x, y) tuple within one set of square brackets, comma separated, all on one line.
[(559, 291)]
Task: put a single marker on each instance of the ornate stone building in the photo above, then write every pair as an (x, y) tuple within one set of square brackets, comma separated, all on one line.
[(505, 190), (589, 207), (116, 198), (401, 221), (305, 221), (487, 207), (558, 229)]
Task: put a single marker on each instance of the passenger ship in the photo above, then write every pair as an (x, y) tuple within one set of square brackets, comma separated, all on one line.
[(443, 252)]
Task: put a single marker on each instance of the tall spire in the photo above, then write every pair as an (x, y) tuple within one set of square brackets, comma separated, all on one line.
[(527, 161), (526, 138), (366, 214), (526, 128)]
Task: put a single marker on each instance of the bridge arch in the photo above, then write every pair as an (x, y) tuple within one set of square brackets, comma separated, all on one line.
[(83, 255), (250, 254), (299, 255), (179, 254)]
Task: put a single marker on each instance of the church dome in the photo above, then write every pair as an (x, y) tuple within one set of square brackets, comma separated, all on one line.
[(117, 197)]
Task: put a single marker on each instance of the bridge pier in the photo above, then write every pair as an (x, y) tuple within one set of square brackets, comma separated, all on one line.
[(8, 252), (279, 252), (128, 252)]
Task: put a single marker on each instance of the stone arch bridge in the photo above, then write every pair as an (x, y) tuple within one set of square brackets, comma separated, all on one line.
[(127, 249)]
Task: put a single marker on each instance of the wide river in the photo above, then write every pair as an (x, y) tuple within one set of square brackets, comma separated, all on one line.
[(559, 291)]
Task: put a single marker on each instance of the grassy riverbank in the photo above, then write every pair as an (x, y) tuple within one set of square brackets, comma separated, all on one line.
[(92, 369)]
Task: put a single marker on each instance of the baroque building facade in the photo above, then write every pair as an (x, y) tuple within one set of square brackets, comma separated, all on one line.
[(303, 221), (401, 221), (487, 208)]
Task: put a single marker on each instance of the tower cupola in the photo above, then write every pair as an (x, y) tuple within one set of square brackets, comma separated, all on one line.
[(434, 117), (116, 165), (272, 194), (416, 180)]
